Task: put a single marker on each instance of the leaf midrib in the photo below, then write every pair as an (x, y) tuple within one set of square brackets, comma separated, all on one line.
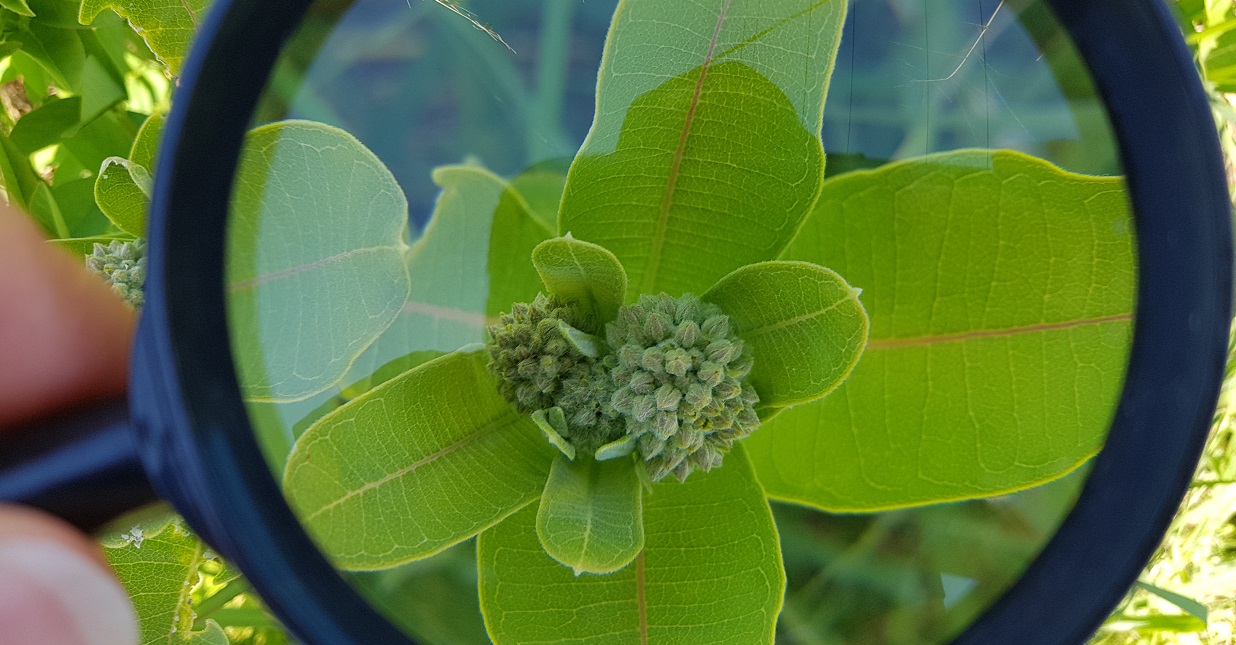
[(671, 184), (923, 341), (316, 264), (508, 417)]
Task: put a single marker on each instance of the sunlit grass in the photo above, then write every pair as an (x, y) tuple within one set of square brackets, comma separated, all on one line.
[(1197, 558)]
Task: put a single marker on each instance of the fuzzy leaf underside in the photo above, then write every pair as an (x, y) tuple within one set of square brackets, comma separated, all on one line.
[(582, 272), (1000, 291), (705, 153), (591, 517), (422, 462), (710, 572), (315, 259), (804, 326)]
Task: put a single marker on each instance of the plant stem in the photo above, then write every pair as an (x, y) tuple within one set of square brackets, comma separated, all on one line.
[(545, 138)]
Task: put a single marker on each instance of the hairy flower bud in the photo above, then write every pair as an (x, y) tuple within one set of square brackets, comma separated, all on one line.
[(529, 354), (679, 376), (123, 265)]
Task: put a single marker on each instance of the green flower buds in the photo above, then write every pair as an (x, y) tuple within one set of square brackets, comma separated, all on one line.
[(123, 265), (671, 378), (678, 373), (531, 355)]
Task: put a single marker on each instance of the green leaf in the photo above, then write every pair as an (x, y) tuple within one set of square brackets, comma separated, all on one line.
[(584, 272), (100, 89), (45, 211), (110, 135), (470, 263), (804, 325), (18, 7), (160, 568), (591, 515), (122, 190), (1160, 623), (167, 25), (146, 146), (432, 600), (48, 124), (710, 572), (541, 187), (76, 200), (1188, 605), (1000, 293), (315, 259), (553, 425), (17, 174), (59, 51), (455, 459), (517, 232), (80, 247), (705, 152)]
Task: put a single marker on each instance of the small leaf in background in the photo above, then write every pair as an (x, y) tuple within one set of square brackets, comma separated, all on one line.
[(705, 155), (17, 175), (167, 25), (433, 600), (710, 572), (101, 88), (46, 212), (146, 146), (591, 516), (583, 272), (432, 458), (46, 125), (541, 187), (122, 191), (160, 567), (804, 325), (1000, 293), (315, 258), (461, 273), (18, 7)]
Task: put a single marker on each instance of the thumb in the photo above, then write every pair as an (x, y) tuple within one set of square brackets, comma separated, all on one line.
[(55, 586)]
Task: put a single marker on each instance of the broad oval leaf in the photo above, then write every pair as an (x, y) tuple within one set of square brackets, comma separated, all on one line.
[(591, 515), (704, 156), (421, 462), (803, 323), (168, 26), (710, 572), (1000, 292), (584, 272), (315, 259)]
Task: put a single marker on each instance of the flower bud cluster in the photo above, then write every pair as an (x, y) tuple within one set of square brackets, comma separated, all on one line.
[(531, 356), (123, 265), (679, 371)]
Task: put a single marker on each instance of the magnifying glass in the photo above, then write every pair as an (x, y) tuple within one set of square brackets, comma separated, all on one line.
[(736, 320)]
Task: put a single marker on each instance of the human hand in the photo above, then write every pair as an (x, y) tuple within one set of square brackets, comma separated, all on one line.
[(64, 343)]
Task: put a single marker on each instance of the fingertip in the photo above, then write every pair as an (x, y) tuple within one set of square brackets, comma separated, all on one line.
[(55, 586), (64, 335)]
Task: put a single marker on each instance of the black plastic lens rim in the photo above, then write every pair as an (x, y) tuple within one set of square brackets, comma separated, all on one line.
[(200, 451)]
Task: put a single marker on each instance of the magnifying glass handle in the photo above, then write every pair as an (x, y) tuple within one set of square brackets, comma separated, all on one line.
[(82, 467)]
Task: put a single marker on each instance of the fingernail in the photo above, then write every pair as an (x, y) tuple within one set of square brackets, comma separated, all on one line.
[(53, 594)]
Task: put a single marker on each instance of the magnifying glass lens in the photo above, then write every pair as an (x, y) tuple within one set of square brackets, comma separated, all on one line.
[(683, 322)]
